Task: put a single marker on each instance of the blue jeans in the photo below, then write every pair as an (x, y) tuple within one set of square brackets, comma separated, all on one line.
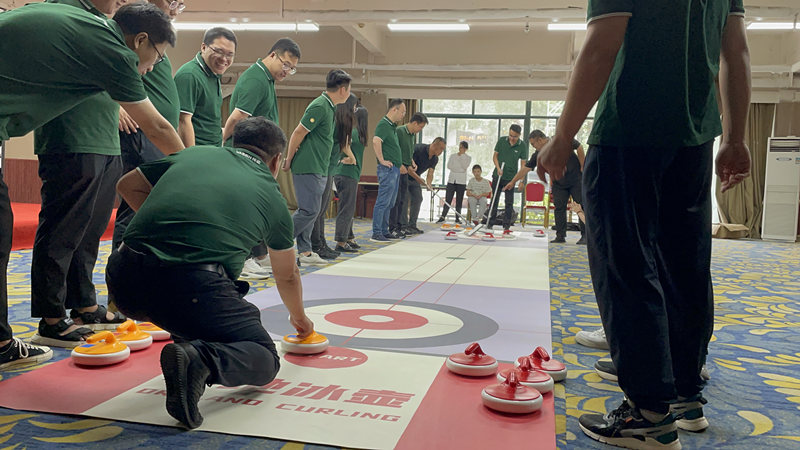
[(387, 194), (308, 188)]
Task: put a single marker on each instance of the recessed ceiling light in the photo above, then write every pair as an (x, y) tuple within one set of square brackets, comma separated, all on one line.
[(566, 26), (771, 26), (250, 26), (428, 27)]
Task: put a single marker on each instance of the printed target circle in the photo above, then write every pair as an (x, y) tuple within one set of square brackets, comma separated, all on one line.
[(383, 323)]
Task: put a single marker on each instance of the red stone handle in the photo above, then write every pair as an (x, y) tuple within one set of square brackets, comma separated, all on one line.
[(474, 349)]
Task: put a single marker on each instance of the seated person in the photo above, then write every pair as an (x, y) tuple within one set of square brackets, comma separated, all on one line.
[(478, 192)]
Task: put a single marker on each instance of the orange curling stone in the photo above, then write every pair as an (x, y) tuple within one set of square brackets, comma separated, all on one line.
[(540, 360), (101, 349), (314, 343), (130, 334), (157, 333), (472, 363), (528, 376), (511, 396)]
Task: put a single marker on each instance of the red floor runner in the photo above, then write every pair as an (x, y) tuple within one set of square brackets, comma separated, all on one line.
[(26, 219)]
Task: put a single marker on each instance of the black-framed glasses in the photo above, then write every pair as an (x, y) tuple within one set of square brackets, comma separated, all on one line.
[(176, 5), (286, 67), (222, 52), (160, 56)]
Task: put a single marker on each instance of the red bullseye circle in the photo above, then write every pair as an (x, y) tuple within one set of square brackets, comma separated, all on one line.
[(332, 358), (394, 320)]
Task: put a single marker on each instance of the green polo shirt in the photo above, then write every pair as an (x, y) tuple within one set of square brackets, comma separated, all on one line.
[(50, 71), (90, 127), (254, 94), (200, 93), (214, 218), (509, 154), (314, 153), (386, 131), (661, 92), (162, 91), (352, 170), (406, 141)]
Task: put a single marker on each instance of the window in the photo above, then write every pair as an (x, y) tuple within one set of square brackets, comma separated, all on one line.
[(447, 106), (500, 107)]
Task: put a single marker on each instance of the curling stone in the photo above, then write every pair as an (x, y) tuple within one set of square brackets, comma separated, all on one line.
[(314, 343), (157, 333), (457, 227), (472, 363), (488, 237), (539, 233), (511, 396), (508, 234), (451, 235), (446, 227), (130, 334), (528, 376), (540, 360), (100, 349)]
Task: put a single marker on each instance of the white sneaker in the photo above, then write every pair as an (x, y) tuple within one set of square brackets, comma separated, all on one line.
[(252, 270), (265, 263), (312, 260), (593, 339)]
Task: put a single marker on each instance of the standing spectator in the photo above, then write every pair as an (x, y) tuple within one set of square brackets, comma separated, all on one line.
[(390, 158), (346, 176), (458, 165), (406, 135)]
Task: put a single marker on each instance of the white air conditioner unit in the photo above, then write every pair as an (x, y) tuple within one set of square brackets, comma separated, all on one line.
[(781, 189)]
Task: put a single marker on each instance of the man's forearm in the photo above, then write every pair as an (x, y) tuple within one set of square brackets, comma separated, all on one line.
[(377, 146), (186, 131), (734, 80)]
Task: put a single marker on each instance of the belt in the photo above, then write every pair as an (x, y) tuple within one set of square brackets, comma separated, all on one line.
[(150, 260)]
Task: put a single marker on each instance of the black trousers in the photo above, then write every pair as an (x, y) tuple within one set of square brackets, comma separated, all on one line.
[(347, 189), (562, 191), (136, 150), (458, 190), (6, 229), (199, 306), (414, 201), (508, 211), (78, 192), (318, 232), (397, 217), (648, 221)]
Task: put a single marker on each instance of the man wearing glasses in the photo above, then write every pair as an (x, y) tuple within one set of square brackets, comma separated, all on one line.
[(136, 149), (254, 95), (200, 89)]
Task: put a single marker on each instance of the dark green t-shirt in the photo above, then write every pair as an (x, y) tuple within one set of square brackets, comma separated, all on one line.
[(45, 71), (406, 141), (386, 131), (661, 92), (352, 170), (214, 218), (200, 93), (162, 91), (254, 94), (314, 153), (509, 154)]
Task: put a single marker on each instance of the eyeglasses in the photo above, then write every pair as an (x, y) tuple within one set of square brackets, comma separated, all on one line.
[(160, 56), (222, 53), (286, 67), (177, 6)]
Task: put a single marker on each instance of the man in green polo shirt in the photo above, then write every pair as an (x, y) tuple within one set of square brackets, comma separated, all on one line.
[(177, 267), (308, 157), (508, 152), (254, 96), (390, 158), (58, 73), (406, 137), (200, 88), (654, 65)]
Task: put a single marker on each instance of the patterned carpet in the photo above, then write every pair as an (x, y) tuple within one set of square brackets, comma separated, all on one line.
[(754, 392)]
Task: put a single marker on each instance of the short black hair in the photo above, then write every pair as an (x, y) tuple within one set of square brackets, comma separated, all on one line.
[(395, 102), (286, 45), (135, 18), (337, 78), (477, 166), (419, 118), (439, 139), (515, 128), (464, 144), (260, 133), (217, 32), (537, 134)]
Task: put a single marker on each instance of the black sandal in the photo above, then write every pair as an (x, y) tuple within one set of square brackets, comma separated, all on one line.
[(50, 335), (97, 320)]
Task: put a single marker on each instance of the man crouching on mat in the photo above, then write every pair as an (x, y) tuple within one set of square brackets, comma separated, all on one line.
[(199, 212)]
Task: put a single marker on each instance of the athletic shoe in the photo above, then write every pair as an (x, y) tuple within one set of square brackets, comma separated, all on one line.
[(416, 230), (626, 427), (593, 339), (185, 376), (689, 413), (558, 240), (346, 248), (312, 260), (581, 241), (441, 220), (606, 369), (327, 254), (252, 270), (17, 353), (458, 220), (394, 236), (353, 244), (379, 238), (704, 373), (265, 263)]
